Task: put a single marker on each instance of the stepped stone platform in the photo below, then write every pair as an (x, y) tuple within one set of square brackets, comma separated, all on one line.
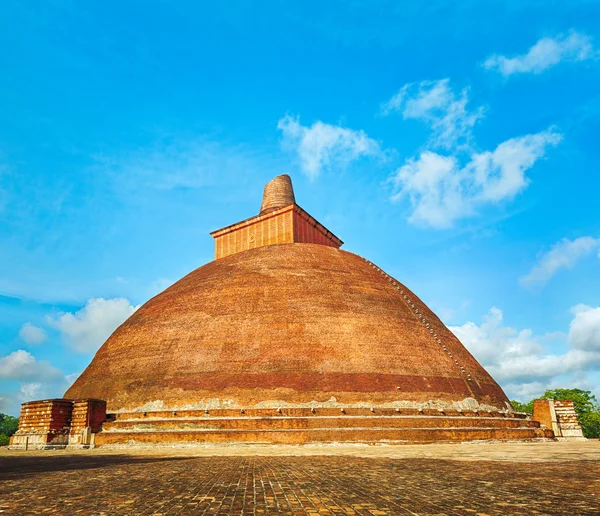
[(325, 425)]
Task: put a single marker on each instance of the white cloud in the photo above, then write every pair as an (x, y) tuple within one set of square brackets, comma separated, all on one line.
[(563, 255), (322, 145), (441, 190), (584, 332), (87, 329), (32, 391), (435, 103), (22, 365), (37, 379), (32, 334), (518, 360), (547, 52)]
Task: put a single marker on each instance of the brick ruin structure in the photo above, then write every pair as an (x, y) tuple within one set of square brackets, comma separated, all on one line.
[(283, 338), (59, 423), (558, 416)]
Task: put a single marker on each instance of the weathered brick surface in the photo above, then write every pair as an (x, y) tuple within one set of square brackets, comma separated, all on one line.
[(285, 325), (287, 427), (278, 193), (281, 226), (43, 424), (558, 416), (114, 485), (86, 419), (567, 419)]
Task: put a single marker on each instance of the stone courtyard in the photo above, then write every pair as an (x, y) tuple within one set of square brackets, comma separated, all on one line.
[(484, 478)]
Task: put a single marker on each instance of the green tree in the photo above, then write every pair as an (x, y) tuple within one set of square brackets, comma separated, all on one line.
[(8, 426), (522, 407), (583, 401), (590, 424)]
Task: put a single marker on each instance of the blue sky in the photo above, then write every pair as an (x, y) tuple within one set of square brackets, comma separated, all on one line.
[(456, 146)]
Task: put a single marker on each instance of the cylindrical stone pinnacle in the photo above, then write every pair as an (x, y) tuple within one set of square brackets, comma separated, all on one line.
[(278, 193)]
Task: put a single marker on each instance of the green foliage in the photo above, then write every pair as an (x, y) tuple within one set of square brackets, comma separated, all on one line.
[(522, 407), (8, 426), (590, 424), (583, 401)]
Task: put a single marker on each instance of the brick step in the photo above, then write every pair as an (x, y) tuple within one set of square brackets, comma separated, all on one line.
[(321, 422), (310, 412), (302, 436)]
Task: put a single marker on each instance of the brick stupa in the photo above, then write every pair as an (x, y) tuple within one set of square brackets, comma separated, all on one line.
[(285, 337)]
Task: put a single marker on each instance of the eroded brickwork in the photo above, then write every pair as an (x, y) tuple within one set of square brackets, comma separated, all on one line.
[(558, 416), (301, 426), (567, 419), (43, 424), (278, 193), (56, 423), (86, 420)]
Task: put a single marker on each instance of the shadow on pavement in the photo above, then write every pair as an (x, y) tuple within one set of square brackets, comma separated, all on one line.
[(18, 466)]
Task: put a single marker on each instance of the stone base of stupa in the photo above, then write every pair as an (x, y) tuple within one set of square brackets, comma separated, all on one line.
[(322, 425)]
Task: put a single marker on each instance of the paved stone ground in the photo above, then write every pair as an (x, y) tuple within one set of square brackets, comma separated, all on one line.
[(118, 483)]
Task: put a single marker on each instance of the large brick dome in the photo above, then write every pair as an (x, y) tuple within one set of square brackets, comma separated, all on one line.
[(283, 338), (295, 324)]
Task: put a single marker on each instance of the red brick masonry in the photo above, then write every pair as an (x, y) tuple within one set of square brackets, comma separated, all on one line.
[(558, 416), (56, 423)]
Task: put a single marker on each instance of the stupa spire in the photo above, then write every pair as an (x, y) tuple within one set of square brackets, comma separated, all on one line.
[(278, 193), (280, 221)]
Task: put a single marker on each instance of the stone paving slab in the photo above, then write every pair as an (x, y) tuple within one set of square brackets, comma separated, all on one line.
[(260, 484), (513, 451)]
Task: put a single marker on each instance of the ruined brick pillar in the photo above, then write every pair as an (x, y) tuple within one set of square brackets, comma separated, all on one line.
[(43, 425), (558, 416), (86, 420)]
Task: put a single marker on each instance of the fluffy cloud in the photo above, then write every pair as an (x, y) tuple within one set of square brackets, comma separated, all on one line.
[(87, 329), (322, 145), (435, 103), (32, 334), (37, 379), (22, 365), (32, 391), (441, 190), (516, 358), (584, 332), (563, 255), (547, 52)]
